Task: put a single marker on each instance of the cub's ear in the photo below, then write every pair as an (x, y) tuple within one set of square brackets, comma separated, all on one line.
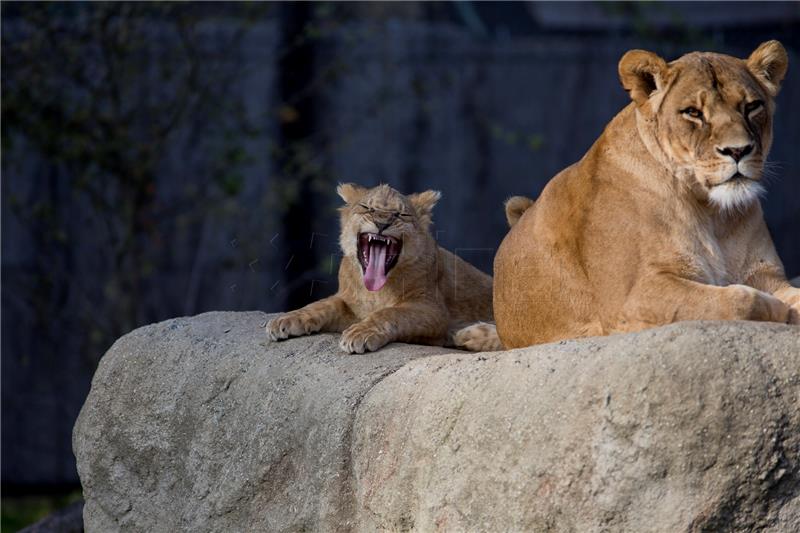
[(768, 63), (641, 73), (515, 208), (423, 203), (350, 192)]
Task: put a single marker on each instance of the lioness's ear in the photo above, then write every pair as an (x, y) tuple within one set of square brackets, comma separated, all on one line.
[(423, 203), (641, 73), (768, 63), (350, 192)]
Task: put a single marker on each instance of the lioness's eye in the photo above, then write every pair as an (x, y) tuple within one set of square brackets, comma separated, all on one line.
[(404, 214), (692, 112), (752, 106)]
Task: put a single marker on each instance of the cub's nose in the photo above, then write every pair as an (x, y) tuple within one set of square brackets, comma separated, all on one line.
[(736, 152), (382, 225)]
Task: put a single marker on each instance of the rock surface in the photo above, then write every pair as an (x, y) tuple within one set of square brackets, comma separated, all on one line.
[(199, 424)]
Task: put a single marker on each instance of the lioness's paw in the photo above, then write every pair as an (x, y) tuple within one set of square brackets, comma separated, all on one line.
[(778, 310), (757, 305), (791, 297), (360, 338), (290, 325)]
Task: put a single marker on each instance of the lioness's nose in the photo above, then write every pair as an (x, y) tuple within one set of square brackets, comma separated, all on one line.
[(736, 152), (382, 225)]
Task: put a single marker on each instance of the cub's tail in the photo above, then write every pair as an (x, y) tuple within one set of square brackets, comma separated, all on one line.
[(478, 337), (515, 207)]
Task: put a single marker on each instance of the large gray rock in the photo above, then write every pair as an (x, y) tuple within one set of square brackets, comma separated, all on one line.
[(199, 424)]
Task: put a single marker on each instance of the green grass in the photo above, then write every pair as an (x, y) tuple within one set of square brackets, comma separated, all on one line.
[(18, 512)]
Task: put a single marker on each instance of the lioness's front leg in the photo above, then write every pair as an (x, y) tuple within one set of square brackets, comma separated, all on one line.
[(667, 298), (425, 323), (765, 272), (791, 297), (771, 279), (328, 314)]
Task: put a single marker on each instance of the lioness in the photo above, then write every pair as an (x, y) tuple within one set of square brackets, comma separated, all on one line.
[(395, 283), (660, 220)]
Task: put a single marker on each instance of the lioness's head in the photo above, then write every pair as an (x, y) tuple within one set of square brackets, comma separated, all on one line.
[(383, 228), (711, 115)]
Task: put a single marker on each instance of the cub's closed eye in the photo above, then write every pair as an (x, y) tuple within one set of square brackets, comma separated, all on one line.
[(368, 208), (692, 112), (404, 214), (753, 106)]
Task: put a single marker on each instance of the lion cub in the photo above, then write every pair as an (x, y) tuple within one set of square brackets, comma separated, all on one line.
[(395, 283)]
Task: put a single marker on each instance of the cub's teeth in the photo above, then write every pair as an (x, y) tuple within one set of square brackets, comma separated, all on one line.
[(380, 238)]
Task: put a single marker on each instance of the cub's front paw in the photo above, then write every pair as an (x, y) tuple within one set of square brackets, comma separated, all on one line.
[(360, 338), (290, 325)]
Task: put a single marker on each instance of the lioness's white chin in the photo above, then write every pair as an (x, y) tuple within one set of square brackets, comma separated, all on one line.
[(737, 193)]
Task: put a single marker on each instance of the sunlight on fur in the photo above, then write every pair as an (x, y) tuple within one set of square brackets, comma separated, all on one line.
[(735, 194)]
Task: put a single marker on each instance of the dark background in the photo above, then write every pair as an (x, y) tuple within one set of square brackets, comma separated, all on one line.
[(161, 160)]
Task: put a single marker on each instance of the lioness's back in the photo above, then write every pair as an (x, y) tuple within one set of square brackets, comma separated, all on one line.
[(536, 280)]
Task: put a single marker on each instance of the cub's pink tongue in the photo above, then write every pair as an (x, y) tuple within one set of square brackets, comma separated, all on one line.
[(375, 273)]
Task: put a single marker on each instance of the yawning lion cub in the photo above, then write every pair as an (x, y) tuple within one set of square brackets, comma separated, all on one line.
[(395, 283), (660, 220)]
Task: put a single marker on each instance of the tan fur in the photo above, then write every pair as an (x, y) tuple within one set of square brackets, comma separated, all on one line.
[(639, 233), (478, 337), (429, 295), (515, 208)]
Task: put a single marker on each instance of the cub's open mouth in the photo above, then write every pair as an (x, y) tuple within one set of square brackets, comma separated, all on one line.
[(377, 255)]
